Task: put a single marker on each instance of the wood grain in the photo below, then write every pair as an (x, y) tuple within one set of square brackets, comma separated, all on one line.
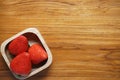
[(83, 35)]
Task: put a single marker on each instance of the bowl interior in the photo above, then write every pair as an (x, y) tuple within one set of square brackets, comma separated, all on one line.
[(32, 39)]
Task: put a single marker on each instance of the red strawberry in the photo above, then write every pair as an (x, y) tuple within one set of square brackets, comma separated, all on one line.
[(21, 64), (18, 45), (37, 54)]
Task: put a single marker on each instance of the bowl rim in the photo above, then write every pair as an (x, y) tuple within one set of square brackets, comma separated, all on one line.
[(38, 34)]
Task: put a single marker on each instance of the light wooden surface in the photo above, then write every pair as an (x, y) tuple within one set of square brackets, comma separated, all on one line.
[(83, 35)]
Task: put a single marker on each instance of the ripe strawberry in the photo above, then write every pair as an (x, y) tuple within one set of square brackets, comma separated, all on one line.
[(21, 64), (37, 54), (18, 45)]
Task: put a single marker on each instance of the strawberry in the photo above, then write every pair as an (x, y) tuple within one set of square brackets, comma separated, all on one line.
[(21, 64), (37, 54), (18, 45)]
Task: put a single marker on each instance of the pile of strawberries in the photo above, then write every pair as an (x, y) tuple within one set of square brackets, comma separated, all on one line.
[(25, 56)]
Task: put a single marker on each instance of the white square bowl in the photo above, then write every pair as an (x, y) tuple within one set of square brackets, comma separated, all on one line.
[(33, 36)]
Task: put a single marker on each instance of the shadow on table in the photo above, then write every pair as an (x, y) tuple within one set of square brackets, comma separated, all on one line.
[(40, 76)]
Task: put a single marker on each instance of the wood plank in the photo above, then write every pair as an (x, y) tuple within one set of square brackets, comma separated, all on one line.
[(83, 35)]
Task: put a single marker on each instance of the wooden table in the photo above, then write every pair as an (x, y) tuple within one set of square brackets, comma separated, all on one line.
[(83, 35)]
